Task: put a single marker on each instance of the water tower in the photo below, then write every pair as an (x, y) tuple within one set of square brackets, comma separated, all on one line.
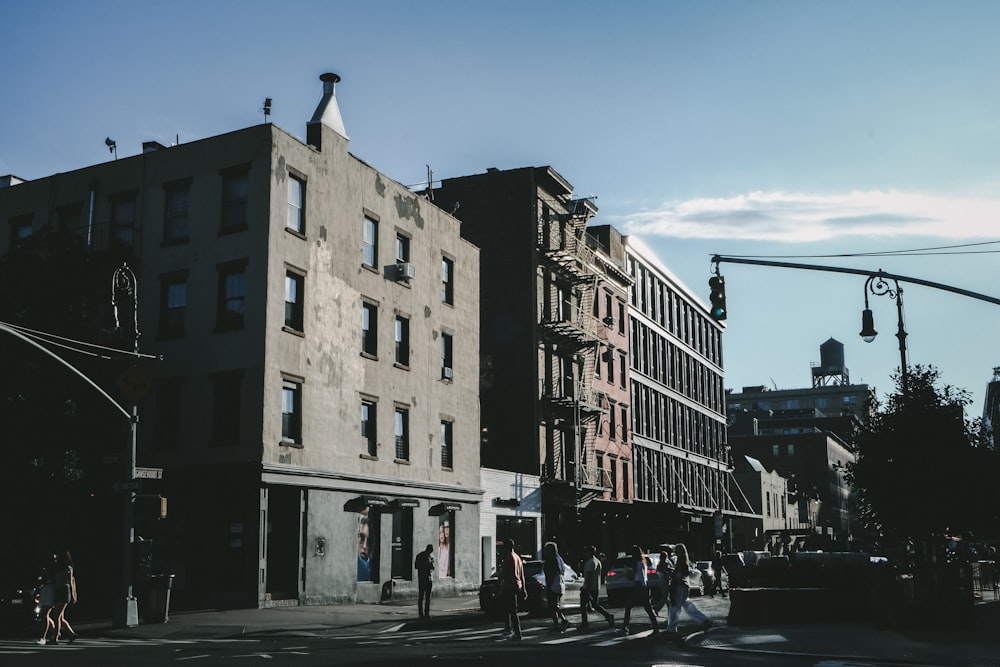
[(830, 371)]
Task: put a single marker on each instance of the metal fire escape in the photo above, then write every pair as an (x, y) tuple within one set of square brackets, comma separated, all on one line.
[(569, 332)]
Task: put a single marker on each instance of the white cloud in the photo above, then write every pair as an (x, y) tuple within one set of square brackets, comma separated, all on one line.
[(799, 218)]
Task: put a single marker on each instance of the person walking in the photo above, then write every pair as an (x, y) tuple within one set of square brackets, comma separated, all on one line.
[(719, 568), (664, 570), (512, 590), (424, 564), (64, 587), (680, 590), (640, 591), (46, 598), (555, 581), (591, 589)]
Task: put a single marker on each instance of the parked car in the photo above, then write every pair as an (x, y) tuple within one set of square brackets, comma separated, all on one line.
[(534, 578), (19, 608), (708, 581), (620, 577)]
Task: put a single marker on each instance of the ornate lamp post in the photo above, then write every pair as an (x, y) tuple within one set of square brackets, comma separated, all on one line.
[(124, 299), (879, 286)]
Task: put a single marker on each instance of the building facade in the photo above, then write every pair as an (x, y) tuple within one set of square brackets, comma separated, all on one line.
[(315, 412), (683, 472), (554, 395)]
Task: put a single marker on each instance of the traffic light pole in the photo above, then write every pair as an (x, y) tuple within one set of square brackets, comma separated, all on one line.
[(718, 259)]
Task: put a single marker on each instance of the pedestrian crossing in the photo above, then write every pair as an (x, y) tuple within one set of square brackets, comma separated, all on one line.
[(538, 635), (32, 647)]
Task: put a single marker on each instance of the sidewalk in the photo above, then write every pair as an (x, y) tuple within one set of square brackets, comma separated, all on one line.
[(978, 645)]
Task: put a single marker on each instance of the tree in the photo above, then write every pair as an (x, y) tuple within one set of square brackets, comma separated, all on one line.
[(921, 469)]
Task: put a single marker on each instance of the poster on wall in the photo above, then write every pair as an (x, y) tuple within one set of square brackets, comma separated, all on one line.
[(446, 555), (364, 546)]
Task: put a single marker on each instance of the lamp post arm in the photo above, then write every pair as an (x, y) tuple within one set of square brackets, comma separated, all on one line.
[(12, 332), (858, 272)]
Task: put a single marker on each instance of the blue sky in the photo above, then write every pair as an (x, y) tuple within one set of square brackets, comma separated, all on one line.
[(780, 128)]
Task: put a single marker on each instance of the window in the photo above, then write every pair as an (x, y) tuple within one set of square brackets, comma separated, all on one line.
[(235, 191), (226, 390), (70, 220), (123, 220), (176, 217), (447, 363), (294, 297), (402, 248), (624, 424), (622, 361), (611, 365), (621, 317), (296, 205), (402, 433), (369, 248), (20, 230), (168, 412), (612, 424), (447, 429), (291, 412), (369, 328), (447, 281), (402, 544), (232, 296), (173, 305), (402, 340), (369, 414)]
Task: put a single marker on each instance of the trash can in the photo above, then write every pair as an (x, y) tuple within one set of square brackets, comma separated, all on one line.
[(158, 600)]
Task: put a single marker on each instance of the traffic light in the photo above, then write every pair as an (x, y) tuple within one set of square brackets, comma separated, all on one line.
[(717, 285)]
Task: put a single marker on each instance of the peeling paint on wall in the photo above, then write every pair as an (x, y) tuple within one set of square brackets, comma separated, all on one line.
[(409, 207), (379, 185)]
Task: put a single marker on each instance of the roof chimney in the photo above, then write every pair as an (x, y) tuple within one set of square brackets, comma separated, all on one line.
[(327, 113)]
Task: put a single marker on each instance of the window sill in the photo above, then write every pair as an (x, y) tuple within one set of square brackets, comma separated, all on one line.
[(368, 457), (285, 442), (369, 267), (400, 366), (404, 462), (294, 332), (236, 229), (369, 355), (447, 469), (296, 233), (183, 240)]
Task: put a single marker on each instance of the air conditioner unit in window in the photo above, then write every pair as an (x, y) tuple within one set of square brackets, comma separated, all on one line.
[(405, 271), (447, 373)]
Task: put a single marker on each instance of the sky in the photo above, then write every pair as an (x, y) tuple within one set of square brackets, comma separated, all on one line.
[(810, 132)]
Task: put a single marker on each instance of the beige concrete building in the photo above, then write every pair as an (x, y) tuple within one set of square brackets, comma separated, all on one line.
[(316, 412)]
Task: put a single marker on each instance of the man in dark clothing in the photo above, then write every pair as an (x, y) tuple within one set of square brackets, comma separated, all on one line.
[(424, 564), (512, 590)]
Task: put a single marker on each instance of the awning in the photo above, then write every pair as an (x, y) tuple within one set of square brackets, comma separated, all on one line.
[(397, 504), (365, 501), (506, 502), (444, 508)]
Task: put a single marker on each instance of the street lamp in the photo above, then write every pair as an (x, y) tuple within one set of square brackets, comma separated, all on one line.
[(878, 286), (124, 294)]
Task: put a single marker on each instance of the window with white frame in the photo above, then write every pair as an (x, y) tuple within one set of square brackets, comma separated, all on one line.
[(401, 431), (296, 205)]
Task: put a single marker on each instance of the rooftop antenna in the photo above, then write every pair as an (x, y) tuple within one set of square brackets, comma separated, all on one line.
[(267, 109), (112, 146), (430, 183)]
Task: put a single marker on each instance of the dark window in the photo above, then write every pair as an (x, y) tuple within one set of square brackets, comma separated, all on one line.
[(168, 412), (296, 205), (402, 340), (20, 230), (447, 362), (173, 306), (402, 544), (123, 221), (232, 297), (369, 421), (447, 281), (226, 392), (447, 429), (71, 221), (294, 297), (402, 434), (235, 192), (369, 251), (291, 411), (402, 248), (369, 328), (176, 216)]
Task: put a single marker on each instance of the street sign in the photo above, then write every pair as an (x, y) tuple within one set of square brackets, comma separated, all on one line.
[(118, 487), (135, 382), (149, 473)]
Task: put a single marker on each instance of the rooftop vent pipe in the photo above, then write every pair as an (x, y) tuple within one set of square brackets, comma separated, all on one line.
[(327, 112)]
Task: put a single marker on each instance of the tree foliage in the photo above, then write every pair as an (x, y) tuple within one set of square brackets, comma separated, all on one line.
[(922, 468)]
